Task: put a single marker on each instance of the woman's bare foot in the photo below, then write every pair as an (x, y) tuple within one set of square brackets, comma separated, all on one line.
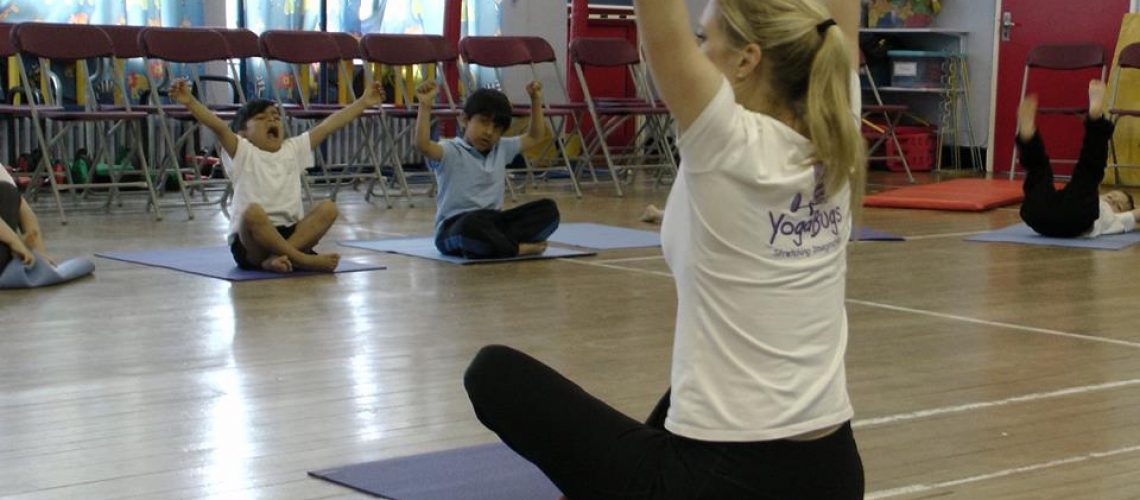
[(532, 248), (1096, 99), (323, 263), (652, 214), (1027, 118), (277, 264)]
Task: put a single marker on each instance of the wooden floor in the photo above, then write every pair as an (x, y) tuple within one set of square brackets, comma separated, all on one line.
[(977, 371)]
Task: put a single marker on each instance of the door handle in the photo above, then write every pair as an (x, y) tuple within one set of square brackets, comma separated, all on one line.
[(1007, 25)]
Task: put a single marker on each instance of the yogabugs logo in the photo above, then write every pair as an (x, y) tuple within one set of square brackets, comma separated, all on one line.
[(811, 225)]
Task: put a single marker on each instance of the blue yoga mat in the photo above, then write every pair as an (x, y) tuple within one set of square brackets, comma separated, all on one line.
[(216, 262), (1021, 233), (868, 234), (424, 246), (603, 237), (42, 273), (485, 472)]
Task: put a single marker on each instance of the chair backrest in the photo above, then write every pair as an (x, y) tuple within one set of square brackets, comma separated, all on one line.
[(1130, 56), (604, 52), (348, 45), (1066, 56), (406, 50), (494, 51), (67, 42), (540, 49), (6, 47), (299, 47), (183, 45), (124, 40), (243, 43)]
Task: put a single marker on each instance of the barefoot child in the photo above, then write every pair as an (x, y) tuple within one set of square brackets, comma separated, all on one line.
[(269, 229), (1077, 210), (469, 219)]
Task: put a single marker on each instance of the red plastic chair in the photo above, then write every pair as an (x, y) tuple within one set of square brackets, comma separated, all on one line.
[(183, 51), (1129, 60), (649, 146), (302, 50), (113, 128), (430, 53)]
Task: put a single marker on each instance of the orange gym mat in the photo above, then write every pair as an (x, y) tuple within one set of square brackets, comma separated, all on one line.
[(968, 195)]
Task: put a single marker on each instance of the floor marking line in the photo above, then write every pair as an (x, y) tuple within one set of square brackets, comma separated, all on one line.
[(996, 323), (1025, 398), (620, 268), (629, 259), (924, 487)]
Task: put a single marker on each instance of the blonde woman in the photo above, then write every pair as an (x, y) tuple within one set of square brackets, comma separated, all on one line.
[(755, 232)]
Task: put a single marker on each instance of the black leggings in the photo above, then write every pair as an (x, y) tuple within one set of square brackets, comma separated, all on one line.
[(10, 213), (592, 451), (489, 234), (1072, 210)]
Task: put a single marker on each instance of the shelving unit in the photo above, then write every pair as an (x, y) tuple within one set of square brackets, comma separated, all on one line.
[(953, 113)]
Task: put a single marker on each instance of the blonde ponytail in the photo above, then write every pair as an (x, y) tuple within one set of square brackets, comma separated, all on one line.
[(812, 69), (830, 120)]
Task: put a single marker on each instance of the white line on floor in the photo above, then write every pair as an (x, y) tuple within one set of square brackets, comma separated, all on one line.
[(996, 323), (620, 268), (1037, 396), (966, 319), (629, 259), (919, 488)]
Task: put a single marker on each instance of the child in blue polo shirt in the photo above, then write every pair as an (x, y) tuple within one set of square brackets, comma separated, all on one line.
[(469, 220)]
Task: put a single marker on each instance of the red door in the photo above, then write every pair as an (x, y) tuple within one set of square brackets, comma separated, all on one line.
[(1049, 21)]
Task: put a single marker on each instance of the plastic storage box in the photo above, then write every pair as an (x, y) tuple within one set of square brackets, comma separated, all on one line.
[(918, 147), (918, 69)]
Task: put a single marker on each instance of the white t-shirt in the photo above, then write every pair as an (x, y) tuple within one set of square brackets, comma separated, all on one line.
[(1110, 222), (5, 176), (271, 179), (759, 259)]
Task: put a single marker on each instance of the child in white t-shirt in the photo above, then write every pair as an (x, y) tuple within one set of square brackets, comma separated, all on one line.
[(1076, 210), (269, 229)]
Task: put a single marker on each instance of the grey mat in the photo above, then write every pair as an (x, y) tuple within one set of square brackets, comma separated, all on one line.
[(42, 273), (1021, 233)]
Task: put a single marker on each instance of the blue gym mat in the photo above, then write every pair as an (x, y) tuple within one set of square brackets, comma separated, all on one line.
[(1021, 233), (216, 262), (868, 234), (603, 237), (42, 273), (424, 247), (485, 472)]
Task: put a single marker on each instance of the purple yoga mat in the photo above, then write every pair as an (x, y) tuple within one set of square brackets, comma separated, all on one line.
[(215, 262), (868, 234), (485, 472), (424, 247)]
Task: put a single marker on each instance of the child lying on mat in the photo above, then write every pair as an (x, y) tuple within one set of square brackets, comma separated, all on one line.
[(1075, 210), (20, 236), (269, 229), (469, 220)]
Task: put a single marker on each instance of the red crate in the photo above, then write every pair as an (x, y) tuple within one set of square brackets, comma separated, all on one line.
[(918, 145)]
